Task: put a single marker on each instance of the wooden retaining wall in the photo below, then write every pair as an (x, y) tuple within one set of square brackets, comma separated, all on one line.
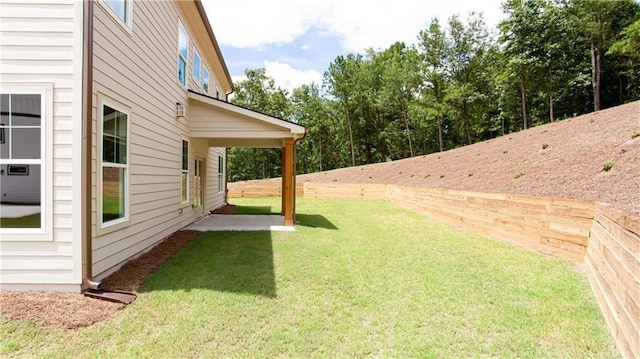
[(559, 227), (607, 240), (613, 269)]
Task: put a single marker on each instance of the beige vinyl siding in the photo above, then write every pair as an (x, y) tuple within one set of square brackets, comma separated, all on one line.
[(138, 68), (41, 44)]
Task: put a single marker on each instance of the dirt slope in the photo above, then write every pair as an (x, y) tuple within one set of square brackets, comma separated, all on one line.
[(562, 159)]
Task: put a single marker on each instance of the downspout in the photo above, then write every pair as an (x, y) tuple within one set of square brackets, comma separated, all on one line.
[(87, 146)]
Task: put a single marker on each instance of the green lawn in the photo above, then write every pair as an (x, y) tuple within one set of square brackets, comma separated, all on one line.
[(357, 279), (30, 221)]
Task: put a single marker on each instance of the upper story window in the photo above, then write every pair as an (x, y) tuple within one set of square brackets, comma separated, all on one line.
[(120, 10), (119, 7), (183, 54), (21, 162), (205, 80), (196, 66)]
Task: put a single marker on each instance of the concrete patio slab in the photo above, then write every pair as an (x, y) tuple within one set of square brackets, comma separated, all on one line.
[(241, 222)]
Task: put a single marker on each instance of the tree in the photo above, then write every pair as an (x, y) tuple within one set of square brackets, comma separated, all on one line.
[(434, 51), (258, 92)]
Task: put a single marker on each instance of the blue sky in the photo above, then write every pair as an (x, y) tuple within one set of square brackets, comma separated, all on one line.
[(295, 40)]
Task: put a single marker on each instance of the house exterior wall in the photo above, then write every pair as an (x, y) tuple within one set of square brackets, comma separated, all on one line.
[(41, 52), (135, 68)]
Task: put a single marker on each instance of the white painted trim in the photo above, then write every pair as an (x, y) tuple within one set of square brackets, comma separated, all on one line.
[(76, 147), (45, 232), (103, 228)]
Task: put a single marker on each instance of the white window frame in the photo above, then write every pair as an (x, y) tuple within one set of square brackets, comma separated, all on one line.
[(105, 227), (184, 173), (184, 58), (197, 76), (220, 173), (45, 232), (127, 22)]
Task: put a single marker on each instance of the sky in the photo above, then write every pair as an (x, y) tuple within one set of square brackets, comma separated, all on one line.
[(296, 40)]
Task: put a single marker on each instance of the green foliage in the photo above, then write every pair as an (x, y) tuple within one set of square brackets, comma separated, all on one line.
[(458, 85), (635, 135), (518, 175), (607, 166)]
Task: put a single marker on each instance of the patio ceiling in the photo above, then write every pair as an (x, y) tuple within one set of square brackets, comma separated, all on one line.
[(228, 125)]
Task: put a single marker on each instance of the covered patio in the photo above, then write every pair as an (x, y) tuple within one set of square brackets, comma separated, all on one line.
[(224, 124)]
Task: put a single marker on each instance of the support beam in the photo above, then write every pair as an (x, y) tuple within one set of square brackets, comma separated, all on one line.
[(288, 195)]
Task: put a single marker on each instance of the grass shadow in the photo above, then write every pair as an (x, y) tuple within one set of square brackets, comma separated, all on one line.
[(255, 210), (238, 262), (314, 221)]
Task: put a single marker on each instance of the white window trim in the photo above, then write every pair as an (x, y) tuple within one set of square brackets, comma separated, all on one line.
[(126, 24), (45, 232), (121, 222), (182, 171), (186, 59), (197, 77)]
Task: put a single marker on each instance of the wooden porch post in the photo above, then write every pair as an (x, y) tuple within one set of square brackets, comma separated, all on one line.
[(284, 174), (287, 182)]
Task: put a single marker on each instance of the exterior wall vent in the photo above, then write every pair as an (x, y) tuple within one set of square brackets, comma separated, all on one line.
[(180, 110)]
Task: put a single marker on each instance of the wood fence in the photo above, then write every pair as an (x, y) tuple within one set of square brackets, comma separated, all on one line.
[(605, 239)]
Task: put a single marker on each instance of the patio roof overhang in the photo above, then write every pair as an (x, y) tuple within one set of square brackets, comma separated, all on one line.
[(227, 125)]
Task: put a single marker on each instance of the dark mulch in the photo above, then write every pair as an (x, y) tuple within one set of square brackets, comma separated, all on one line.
[(72, 310), (227, 209)]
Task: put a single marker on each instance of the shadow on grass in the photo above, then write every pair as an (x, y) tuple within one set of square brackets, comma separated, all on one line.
[(238, 262), (255, 210), (314, 221)]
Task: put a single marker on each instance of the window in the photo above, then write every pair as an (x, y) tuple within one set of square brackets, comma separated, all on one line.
[(121, 11), (205, 80), (21, 161), (120, 8), (183, 45), (220, 174), (198, 180), (196, 66), (185, 171), (115, 144)]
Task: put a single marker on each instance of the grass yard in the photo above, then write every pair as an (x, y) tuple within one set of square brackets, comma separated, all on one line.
[(357, 279)]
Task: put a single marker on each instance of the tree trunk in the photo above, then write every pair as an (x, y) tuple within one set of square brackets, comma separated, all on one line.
[(550, 93), (440, 134), (524, 97), (264, 172), (353, 151), (320, 148), (596, 58), (406, 121), (467, 122)]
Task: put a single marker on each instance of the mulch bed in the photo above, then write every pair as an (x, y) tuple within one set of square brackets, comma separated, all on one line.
[(73, 310)]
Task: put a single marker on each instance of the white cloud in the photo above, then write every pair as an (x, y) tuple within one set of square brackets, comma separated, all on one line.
[(305, 47), (359, 24), (285, 76), (288, 78)]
